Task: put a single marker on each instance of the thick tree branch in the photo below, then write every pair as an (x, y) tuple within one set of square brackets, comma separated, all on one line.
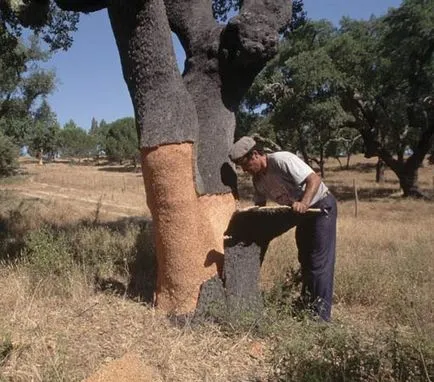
[(249, 40), (220, 67), (163, 109), (365, 124), (192, 21)]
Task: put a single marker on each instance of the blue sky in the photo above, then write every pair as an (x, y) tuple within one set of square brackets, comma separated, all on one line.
[(89, 76)]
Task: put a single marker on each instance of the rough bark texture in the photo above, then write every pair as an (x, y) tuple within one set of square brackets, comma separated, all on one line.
[(221, 63), (241, 275), (163, 108), (237, 298), (260, 225)]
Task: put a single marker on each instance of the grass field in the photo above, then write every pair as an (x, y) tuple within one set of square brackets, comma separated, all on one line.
[(73, 237)]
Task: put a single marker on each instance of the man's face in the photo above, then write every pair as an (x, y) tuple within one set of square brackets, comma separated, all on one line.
[(251, 163)]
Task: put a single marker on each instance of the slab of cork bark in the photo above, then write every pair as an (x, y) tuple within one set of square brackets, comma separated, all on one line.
[(260, 225), (236, 296)]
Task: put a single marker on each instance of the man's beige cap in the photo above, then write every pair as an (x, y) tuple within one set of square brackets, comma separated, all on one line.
[(241, 148)]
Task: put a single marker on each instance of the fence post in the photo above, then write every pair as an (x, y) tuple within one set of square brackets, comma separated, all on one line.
[(356, 197)]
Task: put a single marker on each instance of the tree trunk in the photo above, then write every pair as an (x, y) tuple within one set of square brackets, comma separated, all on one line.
[(40, 155), (379, 171), (186, 126), (185, 129), (188, 228), (347, 166), (321, 162), (302, 147), (407, 172), (408, 180)]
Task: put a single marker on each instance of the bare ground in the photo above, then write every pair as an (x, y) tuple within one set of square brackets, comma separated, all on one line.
[(111, 190)]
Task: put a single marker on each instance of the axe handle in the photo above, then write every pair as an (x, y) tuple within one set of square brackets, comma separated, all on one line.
[(288, 208)]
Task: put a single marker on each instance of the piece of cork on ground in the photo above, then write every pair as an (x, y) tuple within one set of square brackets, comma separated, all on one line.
[(128, 368)]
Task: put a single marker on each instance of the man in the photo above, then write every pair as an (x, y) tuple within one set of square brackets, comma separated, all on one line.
[(284, 178)]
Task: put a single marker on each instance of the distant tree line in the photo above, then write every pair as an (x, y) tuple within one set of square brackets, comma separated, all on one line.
[(27, 121), (26, 118), (115, 141)]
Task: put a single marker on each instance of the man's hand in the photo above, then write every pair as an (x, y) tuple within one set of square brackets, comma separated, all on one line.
[(299, 207)]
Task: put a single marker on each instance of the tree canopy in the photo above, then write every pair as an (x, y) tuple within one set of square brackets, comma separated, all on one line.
[(75, 141), (372, 77), (29, 32), (48, 22), (8, 156), (22, 84)]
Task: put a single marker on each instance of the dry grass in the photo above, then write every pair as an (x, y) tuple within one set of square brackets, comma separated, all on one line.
[(58, 327), (58, 339), (79, 191)]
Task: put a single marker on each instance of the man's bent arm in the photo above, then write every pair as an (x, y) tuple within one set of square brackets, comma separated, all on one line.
[(313, 182)]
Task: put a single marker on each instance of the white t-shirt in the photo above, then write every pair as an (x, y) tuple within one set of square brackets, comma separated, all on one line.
[(284, 180)]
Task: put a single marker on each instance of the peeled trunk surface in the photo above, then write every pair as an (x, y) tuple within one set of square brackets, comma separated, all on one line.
[(188, 229)]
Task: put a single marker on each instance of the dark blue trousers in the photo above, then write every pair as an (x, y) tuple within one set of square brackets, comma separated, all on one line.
[(316, 242)]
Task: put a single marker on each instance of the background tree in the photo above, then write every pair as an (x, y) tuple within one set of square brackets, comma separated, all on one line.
[(98, 133), (75, 141), (44, 134), (22, 81), (22, 84), (50, 24), (347, 142), (372, 76), (8, 156), (387, 66), (299, 92), (121, 141)]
